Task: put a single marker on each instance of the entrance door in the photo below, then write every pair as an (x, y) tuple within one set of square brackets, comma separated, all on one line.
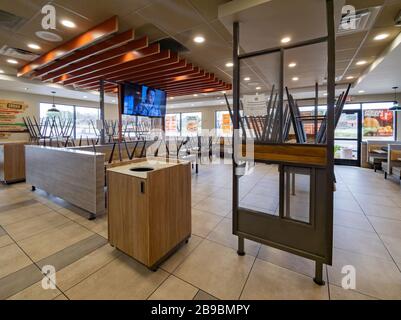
[(347, 145)]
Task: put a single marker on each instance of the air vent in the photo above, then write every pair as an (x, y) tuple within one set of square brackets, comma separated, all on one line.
[(10, 21), (18, 53), (173, 45), (364, 19), (48, 36)]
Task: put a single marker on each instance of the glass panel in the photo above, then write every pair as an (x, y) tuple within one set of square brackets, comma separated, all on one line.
[(65, 114), (86, 122), (191, 123), (224, 126), (297, 188), (347, 127), (66, 111), (173, 126), (378, 121), (346, 150)]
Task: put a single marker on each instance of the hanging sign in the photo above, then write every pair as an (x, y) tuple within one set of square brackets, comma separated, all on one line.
[(254, 105)]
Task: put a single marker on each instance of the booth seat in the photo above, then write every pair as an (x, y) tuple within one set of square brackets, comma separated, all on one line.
[(377, 152), (392, 167)]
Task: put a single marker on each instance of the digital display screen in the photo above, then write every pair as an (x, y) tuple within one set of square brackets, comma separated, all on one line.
[(140, 100)]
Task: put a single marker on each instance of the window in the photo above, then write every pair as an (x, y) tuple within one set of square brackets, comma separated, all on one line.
[(173, 124), (85, 123), (224, 126), (378, 121), (191, 123), (66, 111), (65, 118)]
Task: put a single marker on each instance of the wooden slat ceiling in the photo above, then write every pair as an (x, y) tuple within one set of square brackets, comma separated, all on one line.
[(102, 53)]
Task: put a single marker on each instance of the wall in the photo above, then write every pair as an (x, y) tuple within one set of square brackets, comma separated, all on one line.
[(34, 100), (208, 113)]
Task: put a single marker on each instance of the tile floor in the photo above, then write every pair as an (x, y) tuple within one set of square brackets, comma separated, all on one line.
[(37, 229)]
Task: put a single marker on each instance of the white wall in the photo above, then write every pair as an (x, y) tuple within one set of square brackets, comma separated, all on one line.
[(33, 101)]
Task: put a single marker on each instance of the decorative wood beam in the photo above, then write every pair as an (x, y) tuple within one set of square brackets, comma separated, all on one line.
[(108, 44), (97, 33), (129, 47)]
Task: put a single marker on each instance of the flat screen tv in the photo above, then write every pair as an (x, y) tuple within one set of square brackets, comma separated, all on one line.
[(140, 100)]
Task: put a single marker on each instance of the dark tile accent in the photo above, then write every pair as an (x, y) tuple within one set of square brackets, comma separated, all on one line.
[(73, 253), (18, 205), (202, 295), (2, 231), (19, 280)]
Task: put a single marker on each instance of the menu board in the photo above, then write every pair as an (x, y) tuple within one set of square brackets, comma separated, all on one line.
[(191, 124), (171, 123), (378, 123), (254, 105), (11, 117)]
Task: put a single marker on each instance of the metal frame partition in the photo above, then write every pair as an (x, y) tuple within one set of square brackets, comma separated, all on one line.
[(312, 239)]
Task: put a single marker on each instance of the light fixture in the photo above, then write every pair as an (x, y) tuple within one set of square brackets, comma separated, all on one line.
[(396, 106), (285, 40), (195, 95), (229, 64), (292, 65), (258, 88), (1, 71), (113, 101), (361, 91), (350, 77), (295, 79), (325, 94), (381, 36), (68, 24), (53, 111), (247, 78), (171, 98), (26, 89), (224, 92), (199, 39), (12, 61), (361, 63), (34, 46), (85, 97)]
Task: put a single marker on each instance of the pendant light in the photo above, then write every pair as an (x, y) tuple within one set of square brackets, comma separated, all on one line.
[(396, 106), (53, 111)]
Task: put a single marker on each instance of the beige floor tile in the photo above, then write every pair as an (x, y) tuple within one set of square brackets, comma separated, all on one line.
[(382, 211), (223, 235), (84, 267), (337, 293), (23, 213), (55, 239), (174, 289), (123, 279), (36, 292), (29, 227), (5, 240), (216, 206), (61, 297), (287, 260), (347, 204), (375, 200), (270, 282), (216, 269), (352, 220), (389, 227), (393, 245), (374, 277), (203, 222), (12, 259), (261, 203), (358, 241), (179, 256)]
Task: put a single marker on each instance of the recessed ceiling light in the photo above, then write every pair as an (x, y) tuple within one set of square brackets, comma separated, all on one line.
[(361, 63), (195, 95), (68, 23), (325, 94), (350, 77), (285, 40), (381, 36), (1, 71), (12, 61), (258, 88), (229, 64), (221, 102), (192, 105), (295, 79), (171, 98), (26, 89), (224, 92), (292, 65), (34, 46), (247, 78), (113, 101), (85, 97), (361, 91), (199, 39)]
